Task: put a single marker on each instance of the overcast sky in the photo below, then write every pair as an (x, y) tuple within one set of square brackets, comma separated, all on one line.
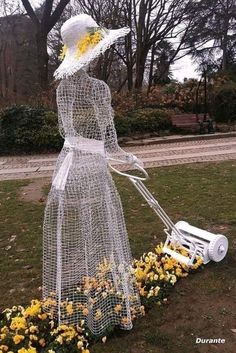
[(181, 69)]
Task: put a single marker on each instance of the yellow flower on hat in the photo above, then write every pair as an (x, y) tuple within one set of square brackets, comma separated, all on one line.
[(63, 52), (90, 39)]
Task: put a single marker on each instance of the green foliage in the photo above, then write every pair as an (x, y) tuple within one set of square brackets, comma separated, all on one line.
[(25, 129), (145, 120), (223, 105), (28, 129)]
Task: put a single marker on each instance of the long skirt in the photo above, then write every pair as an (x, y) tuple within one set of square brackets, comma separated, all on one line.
[(87, 262)]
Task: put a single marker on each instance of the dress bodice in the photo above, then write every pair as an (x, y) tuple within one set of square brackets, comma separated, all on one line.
[(84, 106)]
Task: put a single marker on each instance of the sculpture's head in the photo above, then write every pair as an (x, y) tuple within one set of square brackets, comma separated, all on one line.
[(84, 41)]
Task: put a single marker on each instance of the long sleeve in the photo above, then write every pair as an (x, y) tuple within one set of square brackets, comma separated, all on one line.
[(65, 99), (106, 120)]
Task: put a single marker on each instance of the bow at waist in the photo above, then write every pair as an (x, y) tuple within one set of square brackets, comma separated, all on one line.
[(78, 144)]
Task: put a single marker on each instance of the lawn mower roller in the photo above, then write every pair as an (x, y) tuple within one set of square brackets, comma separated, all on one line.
[(196, 241)]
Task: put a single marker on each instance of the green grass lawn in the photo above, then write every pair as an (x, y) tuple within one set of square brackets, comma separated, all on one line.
[(202, 305)]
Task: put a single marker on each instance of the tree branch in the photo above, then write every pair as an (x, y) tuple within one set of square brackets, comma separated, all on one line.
[(56, 14), (30, 12), (47, 10)]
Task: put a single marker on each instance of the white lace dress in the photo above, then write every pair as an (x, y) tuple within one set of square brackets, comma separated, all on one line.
[(87, 262)]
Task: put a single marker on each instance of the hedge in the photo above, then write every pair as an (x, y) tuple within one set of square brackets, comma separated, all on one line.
[(25, 129), (140, 121)]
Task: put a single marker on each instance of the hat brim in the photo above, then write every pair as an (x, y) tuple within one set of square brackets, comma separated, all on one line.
[(71, 64)]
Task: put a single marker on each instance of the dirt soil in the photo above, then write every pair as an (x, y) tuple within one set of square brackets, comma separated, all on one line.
[(34, 191)]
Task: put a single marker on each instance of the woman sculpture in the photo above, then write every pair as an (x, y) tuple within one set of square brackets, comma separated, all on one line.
[(87, 262)]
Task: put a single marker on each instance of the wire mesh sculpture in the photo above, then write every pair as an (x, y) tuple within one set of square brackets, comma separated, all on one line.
[(87, 261)]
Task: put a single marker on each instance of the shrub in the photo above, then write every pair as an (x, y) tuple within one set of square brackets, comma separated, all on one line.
[(28, 129), (147, 120), (223, 105), (25, 129)]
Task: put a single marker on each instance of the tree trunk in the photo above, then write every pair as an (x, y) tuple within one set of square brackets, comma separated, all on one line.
[(129, 61), (140, 68), (151, 68), (128, 47), (41, 42)]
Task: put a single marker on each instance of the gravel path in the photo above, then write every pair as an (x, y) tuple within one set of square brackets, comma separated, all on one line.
[(155, 155)]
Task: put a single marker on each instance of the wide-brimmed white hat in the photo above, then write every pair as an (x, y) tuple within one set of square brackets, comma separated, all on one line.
[(73, 32)]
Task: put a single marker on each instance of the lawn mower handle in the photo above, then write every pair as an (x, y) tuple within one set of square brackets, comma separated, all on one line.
[(130, 176)]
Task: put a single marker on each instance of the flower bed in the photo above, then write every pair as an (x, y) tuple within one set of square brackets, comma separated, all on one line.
[(33, 329)]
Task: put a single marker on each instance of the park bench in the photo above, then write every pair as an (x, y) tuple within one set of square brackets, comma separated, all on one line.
[(192, 123)]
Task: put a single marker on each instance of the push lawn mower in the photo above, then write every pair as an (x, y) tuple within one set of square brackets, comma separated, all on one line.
[(196, 241)]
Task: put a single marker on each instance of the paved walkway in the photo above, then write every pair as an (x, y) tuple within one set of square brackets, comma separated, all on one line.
[(154, 155)]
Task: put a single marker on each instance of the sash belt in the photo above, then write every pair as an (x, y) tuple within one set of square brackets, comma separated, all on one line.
[(78, 144)]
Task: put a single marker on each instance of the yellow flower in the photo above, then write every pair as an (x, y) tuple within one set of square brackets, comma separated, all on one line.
[(32, 350), (117, 308), (96, 37), (4, 348), (69, 309), (34, 309), (63, 52), (18, 338), (178, 272), (125, 320), (59, 339), (155, 277), (104, 267), (85, 351), (51, 351), (80, 344), (4, 329), (85, 311), (29, 350), (156, 290), (43, 316), (18, 323), (33, 329), (49, 302), (142, 291), (98, 314), (142, 310), (69, 333), (104, 339), (139, 274), (33, 337), (22, 350), (88, 40), (42, 342), (159, 248)]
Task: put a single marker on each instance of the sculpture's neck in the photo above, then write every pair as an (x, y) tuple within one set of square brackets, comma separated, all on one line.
[(80, 74)]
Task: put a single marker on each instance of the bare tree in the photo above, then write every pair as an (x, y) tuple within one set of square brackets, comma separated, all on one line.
[(213, 36), (157, 21), (43, 24)]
